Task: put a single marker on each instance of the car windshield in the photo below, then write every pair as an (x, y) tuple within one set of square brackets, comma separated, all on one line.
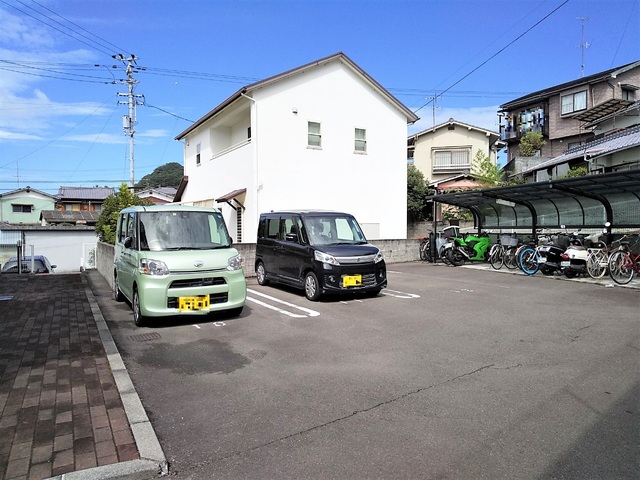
[(182, 230), (333, 230)]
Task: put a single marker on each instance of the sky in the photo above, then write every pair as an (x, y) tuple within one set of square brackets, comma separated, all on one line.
[(61, 115)]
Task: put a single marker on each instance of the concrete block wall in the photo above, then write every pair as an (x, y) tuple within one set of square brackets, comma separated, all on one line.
[(395, 251)]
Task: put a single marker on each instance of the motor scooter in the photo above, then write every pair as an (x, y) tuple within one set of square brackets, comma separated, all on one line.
[(550, 254), (574, 259)]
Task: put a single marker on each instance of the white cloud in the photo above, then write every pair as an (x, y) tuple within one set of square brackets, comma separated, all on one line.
[(17, 136), (154, 133), (102, 138)]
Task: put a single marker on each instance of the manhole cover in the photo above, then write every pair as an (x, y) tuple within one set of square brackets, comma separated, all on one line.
[(146, 337)]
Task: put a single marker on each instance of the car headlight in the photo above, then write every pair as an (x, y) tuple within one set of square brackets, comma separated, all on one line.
[(149, 266), (379, 257), (235, 262), (325, 258)]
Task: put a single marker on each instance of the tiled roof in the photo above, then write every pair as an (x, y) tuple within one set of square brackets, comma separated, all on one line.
[(603, 146), (85, 193), (68, 216)]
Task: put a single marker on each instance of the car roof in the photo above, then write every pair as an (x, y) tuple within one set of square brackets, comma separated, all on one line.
[(169, 208), (42, 258), (309, 213)]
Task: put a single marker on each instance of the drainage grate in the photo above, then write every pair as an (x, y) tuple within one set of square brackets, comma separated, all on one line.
[(146, 337)]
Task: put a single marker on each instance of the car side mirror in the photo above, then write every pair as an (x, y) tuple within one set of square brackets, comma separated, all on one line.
[(291, 237), (127, 242)]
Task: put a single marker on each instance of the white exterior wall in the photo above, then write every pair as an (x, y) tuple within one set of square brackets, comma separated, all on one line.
[(65, 249), (279, 171), (370, 186)]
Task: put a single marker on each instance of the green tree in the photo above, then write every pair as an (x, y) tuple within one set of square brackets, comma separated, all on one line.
[(485, 170), (106, 224), (531, 143), (417, 190), (168, 175), (575, 172)]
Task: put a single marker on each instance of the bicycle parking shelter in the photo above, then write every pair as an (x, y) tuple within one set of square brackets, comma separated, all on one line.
[(570, 203)]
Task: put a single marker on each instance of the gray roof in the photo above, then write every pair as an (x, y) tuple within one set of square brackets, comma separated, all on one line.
[(27, 190), (622, 140), (548, 92), (68, 216), (85, 193)]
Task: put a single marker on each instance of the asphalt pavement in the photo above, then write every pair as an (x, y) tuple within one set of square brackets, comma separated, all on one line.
[(68, 407)]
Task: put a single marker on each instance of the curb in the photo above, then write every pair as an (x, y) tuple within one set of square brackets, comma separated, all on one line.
[(152, 462)]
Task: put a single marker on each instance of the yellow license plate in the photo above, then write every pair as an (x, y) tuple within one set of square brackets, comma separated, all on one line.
[(352, 280), (193, 303)]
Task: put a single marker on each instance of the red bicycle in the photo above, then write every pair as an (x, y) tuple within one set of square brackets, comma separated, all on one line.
[(624, 264)]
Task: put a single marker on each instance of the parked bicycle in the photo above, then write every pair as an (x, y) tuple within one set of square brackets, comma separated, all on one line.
[(624, 264)]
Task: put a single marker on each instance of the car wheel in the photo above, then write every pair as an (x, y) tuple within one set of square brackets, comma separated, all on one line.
[(373, 293), (138, 318), (261, 274), (311, 286), (117, 294)]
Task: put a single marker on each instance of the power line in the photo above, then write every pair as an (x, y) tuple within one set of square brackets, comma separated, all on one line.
[(495, 54), (117, 48)]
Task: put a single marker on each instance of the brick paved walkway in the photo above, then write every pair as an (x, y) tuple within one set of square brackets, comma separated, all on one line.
[(60, 410)]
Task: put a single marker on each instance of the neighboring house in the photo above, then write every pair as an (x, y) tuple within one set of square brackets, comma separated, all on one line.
[(614, 149), (561, 113), (24, 205), (449, 149), (158, 195), (89, 199), (325, 135)]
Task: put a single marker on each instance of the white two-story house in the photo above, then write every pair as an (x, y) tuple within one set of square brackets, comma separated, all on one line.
[(321, 136)]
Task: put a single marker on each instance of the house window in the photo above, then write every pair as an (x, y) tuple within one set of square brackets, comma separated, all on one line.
[(198, 154), (629, 94), (314, 138), (21, 208), (574, 102), (454, 159), (361, 140)]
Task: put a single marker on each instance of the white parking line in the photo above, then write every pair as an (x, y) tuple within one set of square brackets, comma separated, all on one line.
[(309, 312), (398, 294)]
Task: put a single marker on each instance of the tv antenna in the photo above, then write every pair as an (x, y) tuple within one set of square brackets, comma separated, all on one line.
[(583, 45)]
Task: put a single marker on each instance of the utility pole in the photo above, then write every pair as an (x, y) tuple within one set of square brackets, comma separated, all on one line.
[(583, 45), (129, 121)]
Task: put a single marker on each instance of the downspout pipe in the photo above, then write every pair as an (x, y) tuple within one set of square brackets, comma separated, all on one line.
[(254, 140)]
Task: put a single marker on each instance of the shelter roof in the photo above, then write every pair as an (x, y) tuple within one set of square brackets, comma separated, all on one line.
[(587, 201)]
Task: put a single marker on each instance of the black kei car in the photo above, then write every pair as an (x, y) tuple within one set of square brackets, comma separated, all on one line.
[(320, 252), (41, 264)]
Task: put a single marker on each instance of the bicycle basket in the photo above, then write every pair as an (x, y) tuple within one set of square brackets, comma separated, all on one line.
[(508, 240)]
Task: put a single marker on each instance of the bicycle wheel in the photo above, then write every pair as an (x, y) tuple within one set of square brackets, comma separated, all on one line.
[(509, 258), (528, 260), (621, 267), (496, 257), (424, 250), (597, 264)]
